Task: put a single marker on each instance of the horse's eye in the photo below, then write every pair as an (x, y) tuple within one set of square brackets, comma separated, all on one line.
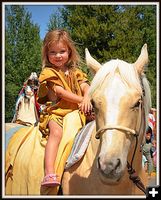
[(136, 105)]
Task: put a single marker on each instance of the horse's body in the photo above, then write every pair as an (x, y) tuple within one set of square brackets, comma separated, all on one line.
[(121, 97)]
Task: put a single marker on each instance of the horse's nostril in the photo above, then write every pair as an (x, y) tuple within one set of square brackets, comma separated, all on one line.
[(98, 162), (118, 163)]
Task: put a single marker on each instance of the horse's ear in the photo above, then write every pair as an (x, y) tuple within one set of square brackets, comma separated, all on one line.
[(91, 62), (142, 60)]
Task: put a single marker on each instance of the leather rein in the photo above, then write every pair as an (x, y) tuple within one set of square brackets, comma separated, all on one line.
[(133, 176)]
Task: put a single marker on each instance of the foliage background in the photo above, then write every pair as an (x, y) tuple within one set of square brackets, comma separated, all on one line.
[(108, 31)]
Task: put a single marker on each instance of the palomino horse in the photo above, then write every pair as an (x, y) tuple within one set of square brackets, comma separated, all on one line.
[(121, 98)]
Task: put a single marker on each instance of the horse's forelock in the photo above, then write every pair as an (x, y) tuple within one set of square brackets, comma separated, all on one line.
[(126, 70)]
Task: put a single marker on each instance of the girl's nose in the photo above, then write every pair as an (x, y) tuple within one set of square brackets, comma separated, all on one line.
[(58, 55)]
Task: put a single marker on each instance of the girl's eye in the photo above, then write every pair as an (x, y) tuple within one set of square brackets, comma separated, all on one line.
[(52, 53)]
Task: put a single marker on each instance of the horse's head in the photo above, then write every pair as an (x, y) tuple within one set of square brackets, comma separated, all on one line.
[(121, 98)]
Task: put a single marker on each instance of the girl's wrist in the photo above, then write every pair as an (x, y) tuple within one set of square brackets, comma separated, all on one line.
[(81, 99)]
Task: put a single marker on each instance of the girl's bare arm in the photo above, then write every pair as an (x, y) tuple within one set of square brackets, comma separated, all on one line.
[(67, 95), (85, 105)]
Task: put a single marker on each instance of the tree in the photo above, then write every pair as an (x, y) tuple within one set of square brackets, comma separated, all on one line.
[(22, 53), (55, 20), (114, 31)]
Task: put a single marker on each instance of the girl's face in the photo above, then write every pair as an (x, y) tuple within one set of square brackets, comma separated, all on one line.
[(58, 54)]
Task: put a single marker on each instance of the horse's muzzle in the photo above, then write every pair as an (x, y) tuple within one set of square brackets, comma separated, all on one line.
[(110, 170)]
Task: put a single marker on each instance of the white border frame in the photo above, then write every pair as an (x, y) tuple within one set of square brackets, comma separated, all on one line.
[(3, 96)]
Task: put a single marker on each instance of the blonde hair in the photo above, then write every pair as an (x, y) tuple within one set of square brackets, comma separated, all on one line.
[(55, 36)]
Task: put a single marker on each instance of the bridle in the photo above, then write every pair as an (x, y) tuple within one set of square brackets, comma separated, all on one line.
[(118, 127), (134, 133)]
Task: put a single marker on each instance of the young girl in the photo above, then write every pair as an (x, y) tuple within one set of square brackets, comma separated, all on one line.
[(63, 89)]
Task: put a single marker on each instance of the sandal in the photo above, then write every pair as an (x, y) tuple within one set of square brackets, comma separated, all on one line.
[(51, 180)]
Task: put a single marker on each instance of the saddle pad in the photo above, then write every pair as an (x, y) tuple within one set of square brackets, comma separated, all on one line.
[(80, 144)]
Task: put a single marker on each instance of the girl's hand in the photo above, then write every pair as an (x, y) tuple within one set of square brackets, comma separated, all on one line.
[(85, 105)]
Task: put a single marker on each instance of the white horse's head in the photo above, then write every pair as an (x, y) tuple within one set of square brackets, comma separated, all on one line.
[(121, 98)]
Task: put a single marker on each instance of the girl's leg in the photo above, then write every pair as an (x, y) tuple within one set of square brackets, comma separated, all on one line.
[(52, 145)]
